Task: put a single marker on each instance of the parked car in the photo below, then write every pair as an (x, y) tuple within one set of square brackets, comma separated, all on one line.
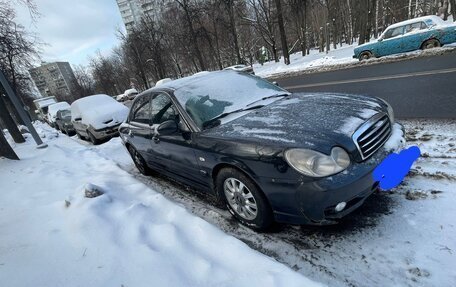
[(42, 105), (270, 155), (97, 117), (130, 94), (162, 81), (63, 122), (419, 33), (52, 112), (241, 68)]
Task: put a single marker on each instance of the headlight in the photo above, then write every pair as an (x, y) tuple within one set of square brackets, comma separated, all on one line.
[(390, 110), (316, 164)]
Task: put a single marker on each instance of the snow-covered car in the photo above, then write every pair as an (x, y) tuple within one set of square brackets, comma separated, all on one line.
[(42, 105), (266, 153), (63, 122), (130, 94), (97, 117), (162, 81), (420, 33), (52, 112), (241, 68)]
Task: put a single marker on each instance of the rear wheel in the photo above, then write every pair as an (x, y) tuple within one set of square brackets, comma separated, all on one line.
[(139, 161), (244, 199), (431, 43), (366, 55)]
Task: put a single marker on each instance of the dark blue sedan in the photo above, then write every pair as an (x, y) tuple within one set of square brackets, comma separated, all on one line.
[(419, 33), (268, 154)]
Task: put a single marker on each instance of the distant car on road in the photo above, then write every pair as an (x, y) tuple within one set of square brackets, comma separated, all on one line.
[(63, 122), (97, 117), (268, 154), (241, 68), (420, 33), (52, 112)]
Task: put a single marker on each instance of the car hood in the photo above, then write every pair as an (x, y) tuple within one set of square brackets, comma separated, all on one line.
[(316, 121)]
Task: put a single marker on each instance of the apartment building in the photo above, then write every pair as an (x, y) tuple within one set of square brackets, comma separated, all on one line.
[(54, 79)]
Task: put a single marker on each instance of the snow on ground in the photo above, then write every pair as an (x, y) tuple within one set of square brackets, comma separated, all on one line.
[(51, 235), (405, 237), (342, 55)]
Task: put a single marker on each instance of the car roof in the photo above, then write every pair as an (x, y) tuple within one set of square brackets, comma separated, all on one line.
[(178, 83), (414, 20)]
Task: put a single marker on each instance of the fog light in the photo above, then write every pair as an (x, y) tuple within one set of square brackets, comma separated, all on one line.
[(340, 206)]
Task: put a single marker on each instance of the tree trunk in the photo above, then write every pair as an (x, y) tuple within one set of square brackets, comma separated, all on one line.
[(453, 9), (9, 122), (196, 49), (409, 10), (283, 35), (230, 8), (5, 148)]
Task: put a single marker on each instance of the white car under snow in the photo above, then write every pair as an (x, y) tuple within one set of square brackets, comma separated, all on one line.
[(97, 117), (54, 108)]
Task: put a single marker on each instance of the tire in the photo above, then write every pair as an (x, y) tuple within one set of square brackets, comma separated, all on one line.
[(139, 161), (79, 136), (92, 138), (245, 201), (366, 55), (430, 44)]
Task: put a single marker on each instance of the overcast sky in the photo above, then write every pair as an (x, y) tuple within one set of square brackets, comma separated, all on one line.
[(74, 29)]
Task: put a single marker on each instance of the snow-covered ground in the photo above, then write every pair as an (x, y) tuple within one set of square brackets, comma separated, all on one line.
[(342, 55), (135, 236), (52, 235)]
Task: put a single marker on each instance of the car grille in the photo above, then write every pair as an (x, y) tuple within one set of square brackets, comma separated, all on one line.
[(372, 135)]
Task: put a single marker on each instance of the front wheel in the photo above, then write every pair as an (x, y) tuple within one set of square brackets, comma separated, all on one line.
[(366, 55), (244, 199), (430, 44)]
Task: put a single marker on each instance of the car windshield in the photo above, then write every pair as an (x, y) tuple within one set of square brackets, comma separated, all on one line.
[(207, 97)]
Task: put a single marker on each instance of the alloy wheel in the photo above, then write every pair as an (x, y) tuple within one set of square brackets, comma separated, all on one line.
[(240, 199)]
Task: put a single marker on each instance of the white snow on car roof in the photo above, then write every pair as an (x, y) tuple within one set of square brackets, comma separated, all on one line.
[(433, 18), (99, 111)]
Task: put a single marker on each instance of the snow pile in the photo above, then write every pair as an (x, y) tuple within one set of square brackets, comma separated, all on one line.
[(396, 140), (52, 235), (341, 55), (99, 111)]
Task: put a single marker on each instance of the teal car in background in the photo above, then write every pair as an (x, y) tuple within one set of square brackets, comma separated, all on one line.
[(419, 33)]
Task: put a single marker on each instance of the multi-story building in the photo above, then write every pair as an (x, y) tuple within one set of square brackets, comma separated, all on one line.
[(133, 10), (54, 79)]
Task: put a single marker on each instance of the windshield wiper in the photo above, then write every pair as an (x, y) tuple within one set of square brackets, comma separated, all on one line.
[(216, 121), (270, 97)]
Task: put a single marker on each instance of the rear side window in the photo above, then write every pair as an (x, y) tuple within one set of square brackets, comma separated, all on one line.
[(141, 111), (414, 27)]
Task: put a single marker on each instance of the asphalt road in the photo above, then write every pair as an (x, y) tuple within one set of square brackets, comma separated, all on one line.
[(423, 87)]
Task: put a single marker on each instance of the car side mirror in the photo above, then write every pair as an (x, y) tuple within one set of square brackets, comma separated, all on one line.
[(168, 127), (275, 83)]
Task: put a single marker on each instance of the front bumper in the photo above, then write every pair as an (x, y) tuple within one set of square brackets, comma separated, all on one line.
[(105, 133), (312, 201)]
